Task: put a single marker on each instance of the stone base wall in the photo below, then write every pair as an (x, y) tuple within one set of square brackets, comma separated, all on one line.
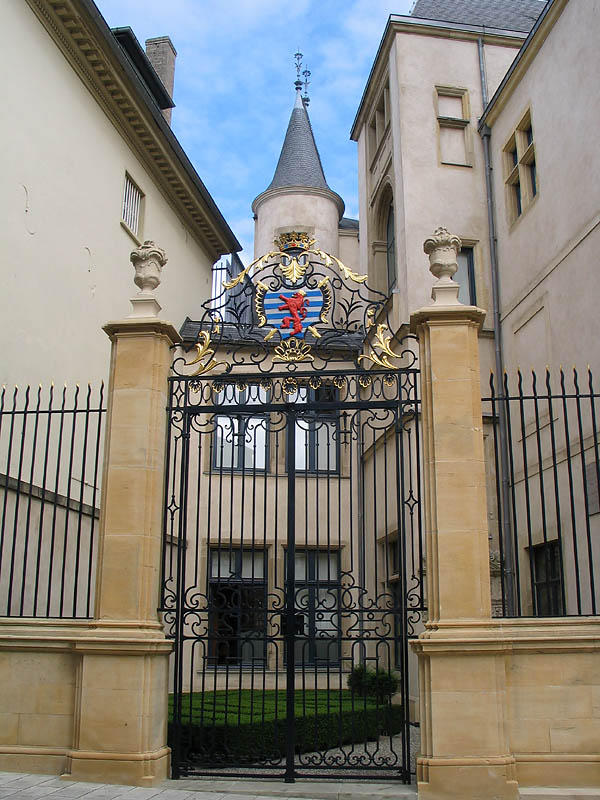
[(553, 700), (83, 701)]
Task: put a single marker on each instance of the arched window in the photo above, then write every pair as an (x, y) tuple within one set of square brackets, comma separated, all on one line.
[(390, 245)]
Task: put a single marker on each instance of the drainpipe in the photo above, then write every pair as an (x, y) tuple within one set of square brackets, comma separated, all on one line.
[(505, 532)]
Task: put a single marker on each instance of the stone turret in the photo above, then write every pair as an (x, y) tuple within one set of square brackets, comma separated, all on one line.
[(298, 197)]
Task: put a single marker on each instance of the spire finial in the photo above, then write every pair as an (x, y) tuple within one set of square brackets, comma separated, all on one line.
[(298, 59), (306, 98)]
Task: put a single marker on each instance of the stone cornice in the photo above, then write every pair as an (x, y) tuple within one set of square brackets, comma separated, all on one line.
[(497, 635), (78, 31), (142, 326)]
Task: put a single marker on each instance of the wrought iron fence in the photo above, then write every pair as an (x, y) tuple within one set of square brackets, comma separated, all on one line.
[(50, 456), (544, 505)]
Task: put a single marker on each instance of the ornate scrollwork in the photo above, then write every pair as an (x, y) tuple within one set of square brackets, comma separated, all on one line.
[(382, 355), (204, 356), (294, 305), (293, 350)]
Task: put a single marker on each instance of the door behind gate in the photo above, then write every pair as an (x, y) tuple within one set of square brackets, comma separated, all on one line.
[(292, 573)]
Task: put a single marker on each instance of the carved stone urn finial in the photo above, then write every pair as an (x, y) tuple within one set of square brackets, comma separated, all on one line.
[(148, 262), (442, 249)]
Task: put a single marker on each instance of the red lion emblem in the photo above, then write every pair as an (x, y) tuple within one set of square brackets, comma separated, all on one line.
[(296, 305)]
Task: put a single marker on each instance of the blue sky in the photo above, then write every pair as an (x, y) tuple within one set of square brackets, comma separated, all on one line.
[(234, 85)]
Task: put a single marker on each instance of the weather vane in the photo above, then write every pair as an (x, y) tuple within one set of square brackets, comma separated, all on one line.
[(298, 83), (306, 98)]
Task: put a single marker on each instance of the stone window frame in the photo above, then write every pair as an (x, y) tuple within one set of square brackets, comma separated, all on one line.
[(461, 123), (133, 202), (521, 181), (379, 123), (470, 249), (382, 203)]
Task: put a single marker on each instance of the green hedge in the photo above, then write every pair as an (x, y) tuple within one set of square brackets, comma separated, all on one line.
[(257, 740)]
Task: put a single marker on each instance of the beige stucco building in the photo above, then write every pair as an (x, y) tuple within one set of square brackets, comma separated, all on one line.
[(91, 169)]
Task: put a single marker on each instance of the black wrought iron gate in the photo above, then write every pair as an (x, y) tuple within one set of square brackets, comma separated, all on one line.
[(292, 572)]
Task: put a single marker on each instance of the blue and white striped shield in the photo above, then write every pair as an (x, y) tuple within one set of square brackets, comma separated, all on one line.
[(292, 311)]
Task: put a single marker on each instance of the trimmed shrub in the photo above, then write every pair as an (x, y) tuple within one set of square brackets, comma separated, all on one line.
[(263, 741), (379, 683), (222, 727)]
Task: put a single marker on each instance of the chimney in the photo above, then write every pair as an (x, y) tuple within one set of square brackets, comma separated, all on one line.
[(162, 54)]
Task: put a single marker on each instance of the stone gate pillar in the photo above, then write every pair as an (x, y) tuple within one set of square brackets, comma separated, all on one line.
[(464, 741), (121, 714)]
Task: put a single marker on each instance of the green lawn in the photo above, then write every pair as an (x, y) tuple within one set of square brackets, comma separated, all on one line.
[(243, 726), (235, 707)]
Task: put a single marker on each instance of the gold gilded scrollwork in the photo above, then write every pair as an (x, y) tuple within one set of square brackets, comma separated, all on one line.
[(327, 299), (364, 381), (204, 352), (291, 350), (370, 317), (240, 277), (348, 274), (261, 288), (270, 334), (289, 386), (294, 270), (314, 331), (381, 352)]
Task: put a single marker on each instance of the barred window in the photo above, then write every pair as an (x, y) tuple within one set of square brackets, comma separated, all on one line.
[(132, 205)]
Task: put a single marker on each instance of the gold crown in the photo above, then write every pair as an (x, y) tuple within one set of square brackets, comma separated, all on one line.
[(294, 240)]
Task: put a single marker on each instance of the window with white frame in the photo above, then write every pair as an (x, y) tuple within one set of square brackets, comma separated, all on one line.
[(317, 578), (241, 440), (317, 432), (131, 213), (520, 171), (453, 117)]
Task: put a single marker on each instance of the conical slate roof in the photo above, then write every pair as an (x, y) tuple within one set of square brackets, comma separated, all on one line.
[(299, 163)]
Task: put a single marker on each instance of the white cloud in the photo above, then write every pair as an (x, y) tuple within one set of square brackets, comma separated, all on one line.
[(234, 85)]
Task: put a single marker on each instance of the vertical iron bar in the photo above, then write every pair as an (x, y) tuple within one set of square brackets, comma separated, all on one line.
[(596, 453), (61, 426), (556, 492), (42, 502), (68, 498), (17, 498), (498, 495), (290, 592), (526, 487), (181, 593), (571, 491), (86, 427), (585, 490), (97, 452), (29, 496)]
